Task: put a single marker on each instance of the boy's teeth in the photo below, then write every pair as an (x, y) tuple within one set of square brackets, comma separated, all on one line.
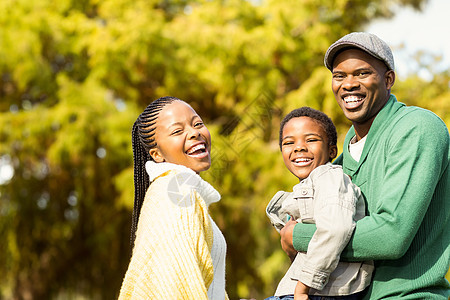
[(297, 160), (349, 99)]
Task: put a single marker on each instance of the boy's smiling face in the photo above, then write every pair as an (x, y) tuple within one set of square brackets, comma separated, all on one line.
[(305, 146)]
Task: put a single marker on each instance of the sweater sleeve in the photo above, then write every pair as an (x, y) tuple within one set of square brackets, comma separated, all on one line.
[(416, 155), (171, 257)]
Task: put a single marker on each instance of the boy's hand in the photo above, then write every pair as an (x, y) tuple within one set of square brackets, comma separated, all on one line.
[(301, 297), (286, 239), (301, 291)]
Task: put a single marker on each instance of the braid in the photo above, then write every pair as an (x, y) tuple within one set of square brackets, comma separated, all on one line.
[(143, 139), (141, 179)]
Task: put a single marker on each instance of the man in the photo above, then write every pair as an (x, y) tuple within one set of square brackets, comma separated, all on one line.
[(399, 157)]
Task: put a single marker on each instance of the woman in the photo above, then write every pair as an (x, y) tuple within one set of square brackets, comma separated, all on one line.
[(178, 250)]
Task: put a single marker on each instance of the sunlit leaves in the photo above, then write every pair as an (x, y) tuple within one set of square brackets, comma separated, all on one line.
[(74, 75)]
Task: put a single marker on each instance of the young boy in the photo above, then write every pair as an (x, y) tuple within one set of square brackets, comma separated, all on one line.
[(325, 196)]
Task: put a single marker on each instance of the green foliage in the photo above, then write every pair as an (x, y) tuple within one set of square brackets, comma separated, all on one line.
[(57, 210), (74, 75), (433, 94)]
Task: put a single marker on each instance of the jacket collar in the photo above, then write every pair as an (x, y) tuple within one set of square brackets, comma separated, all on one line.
[(206, 190)]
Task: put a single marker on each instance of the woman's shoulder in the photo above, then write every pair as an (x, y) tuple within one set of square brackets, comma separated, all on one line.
[(178, 180)]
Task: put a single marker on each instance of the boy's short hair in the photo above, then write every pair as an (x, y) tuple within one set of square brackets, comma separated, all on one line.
[(317, 115)]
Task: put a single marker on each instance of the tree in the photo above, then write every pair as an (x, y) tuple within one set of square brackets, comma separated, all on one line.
[(74, 75)]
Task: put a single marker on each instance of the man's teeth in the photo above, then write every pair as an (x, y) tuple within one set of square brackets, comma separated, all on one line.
[(196, 148), (350, 99)]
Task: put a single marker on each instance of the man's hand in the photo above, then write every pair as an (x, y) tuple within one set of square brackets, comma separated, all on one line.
[(286, 239)]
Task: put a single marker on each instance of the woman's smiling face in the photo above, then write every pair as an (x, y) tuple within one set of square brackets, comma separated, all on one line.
[(182, 138)]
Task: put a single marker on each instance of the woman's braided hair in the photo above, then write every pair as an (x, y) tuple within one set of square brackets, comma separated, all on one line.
[(143, 139)]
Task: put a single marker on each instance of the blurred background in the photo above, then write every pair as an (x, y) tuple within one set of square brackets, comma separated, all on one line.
[(75, 74)]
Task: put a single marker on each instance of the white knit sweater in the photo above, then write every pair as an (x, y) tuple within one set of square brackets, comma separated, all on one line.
[(179, 252)]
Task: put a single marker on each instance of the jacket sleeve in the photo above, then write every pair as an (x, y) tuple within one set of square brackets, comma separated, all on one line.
[(274, 212), (171, 257), (416, 157), (334, 210)]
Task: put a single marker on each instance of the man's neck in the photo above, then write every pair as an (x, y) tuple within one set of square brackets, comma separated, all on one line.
[(361, 130)]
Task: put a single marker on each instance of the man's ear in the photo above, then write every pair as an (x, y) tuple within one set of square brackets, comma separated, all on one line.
[(389, 78), (156, 155), (333, 152)]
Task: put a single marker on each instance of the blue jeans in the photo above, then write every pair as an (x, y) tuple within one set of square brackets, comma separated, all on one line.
[(291, 297), (287, 297)]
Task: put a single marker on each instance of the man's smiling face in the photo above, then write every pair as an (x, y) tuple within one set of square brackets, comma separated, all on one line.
[(361, 85)]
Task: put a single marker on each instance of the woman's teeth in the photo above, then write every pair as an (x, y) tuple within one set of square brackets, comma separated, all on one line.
[(196, 148)]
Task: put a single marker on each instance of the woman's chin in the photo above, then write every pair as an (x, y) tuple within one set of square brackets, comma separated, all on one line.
[(201, 166)]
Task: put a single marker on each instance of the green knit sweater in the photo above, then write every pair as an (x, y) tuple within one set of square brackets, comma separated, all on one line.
[(404, 176)]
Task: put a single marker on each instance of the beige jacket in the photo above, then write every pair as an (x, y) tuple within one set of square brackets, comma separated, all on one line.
[(329, 199)]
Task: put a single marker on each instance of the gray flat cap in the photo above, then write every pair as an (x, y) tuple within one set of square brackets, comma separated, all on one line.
[(364, 41)]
